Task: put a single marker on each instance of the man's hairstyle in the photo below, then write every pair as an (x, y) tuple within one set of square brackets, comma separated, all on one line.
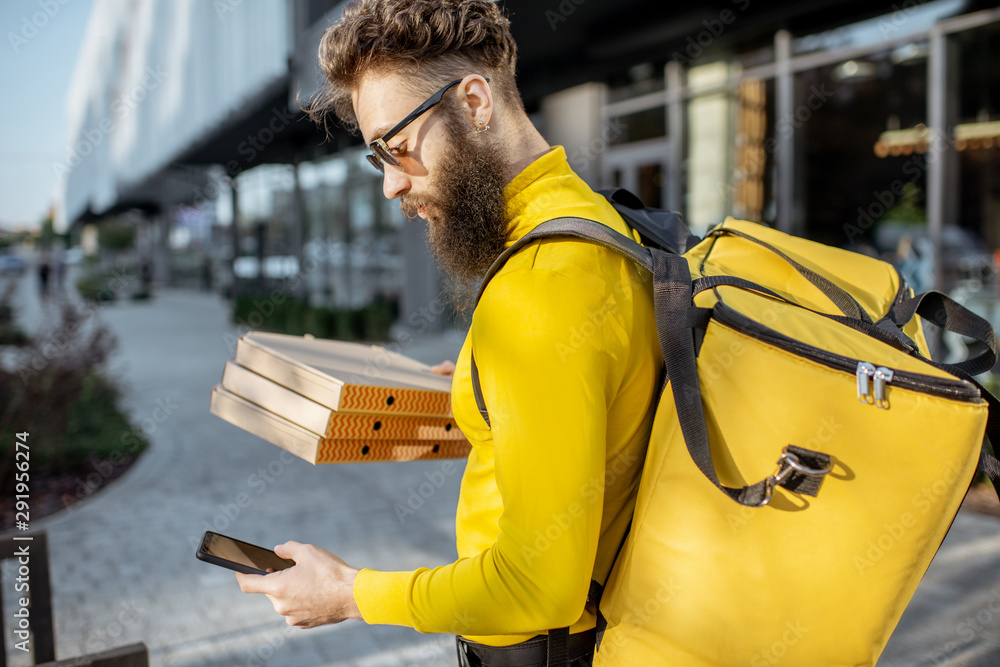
[(430, 42)]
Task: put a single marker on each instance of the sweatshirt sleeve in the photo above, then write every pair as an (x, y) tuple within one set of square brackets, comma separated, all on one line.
[(549, 349)]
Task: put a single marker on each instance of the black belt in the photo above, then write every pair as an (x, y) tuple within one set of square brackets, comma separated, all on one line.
[(530, 653)]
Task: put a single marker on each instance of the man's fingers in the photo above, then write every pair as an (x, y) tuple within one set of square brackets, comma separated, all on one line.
[(253, 583), (288, 549), (444, 368)]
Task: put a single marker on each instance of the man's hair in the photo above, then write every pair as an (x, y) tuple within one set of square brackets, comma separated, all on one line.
[(430, 42)]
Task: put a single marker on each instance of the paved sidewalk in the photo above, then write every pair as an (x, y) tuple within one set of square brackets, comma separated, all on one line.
[(123, 561)]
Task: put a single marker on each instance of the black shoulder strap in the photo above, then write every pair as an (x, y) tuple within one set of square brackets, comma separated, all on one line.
[(579, 228), (658, 228), (948, 314)]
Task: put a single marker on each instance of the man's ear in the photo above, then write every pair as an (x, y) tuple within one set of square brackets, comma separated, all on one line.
[(476, 98)]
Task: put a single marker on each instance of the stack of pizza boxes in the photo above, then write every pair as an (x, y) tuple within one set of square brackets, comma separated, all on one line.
[(335, 402)]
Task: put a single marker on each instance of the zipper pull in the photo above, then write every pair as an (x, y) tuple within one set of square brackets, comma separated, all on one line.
[(883, 376), (865, 370)]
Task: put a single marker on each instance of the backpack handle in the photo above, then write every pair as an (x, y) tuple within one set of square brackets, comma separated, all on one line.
[(847, 304), (948, 314)]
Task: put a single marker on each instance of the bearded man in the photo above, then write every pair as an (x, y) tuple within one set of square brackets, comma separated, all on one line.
[(563, 339)]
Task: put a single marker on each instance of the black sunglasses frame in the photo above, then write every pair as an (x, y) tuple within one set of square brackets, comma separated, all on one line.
[(380, 153)]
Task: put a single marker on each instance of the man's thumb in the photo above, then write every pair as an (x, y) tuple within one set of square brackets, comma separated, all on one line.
[(287, 550)]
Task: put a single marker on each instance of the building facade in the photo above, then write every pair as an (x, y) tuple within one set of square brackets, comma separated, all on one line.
[(865, 125)]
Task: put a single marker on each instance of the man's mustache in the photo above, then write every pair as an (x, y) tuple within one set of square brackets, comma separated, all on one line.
[(409, 205)]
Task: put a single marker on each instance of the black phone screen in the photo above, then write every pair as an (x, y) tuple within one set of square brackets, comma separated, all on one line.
[(222, 550)]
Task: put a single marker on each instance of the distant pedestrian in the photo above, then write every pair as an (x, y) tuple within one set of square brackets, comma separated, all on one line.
[(206, 273), (43, 273), (59, 265), (145, 275)]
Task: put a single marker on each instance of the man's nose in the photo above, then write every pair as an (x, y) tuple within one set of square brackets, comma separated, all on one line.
[(395, 182)]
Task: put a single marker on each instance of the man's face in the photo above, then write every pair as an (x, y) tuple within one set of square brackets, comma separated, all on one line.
[(449, 175)]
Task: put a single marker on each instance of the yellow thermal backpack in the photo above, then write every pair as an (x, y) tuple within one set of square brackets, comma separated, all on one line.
[(806, 460)]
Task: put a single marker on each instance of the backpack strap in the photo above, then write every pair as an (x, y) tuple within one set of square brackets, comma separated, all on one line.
[(948, 314), (657, 227), (580, 228), (672, 297)]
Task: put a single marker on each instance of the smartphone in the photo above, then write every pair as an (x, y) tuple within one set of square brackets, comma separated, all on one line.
[(239, 555)]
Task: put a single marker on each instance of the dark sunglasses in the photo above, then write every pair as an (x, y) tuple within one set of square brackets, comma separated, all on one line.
[(380, 154)]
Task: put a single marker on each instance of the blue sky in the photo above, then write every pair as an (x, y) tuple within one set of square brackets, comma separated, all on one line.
[(36, 64)]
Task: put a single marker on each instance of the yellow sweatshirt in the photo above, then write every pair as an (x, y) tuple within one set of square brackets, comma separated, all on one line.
[(568, 359)]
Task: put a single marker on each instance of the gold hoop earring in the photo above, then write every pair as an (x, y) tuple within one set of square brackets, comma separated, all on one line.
[(480, 129)]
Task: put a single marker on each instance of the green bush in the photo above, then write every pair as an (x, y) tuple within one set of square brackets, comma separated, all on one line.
[(10, 333), (57, 392), (116, 236), (93, 288), (296, 317)]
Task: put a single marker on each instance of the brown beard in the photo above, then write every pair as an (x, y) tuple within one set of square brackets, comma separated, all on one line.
[(467, 226)]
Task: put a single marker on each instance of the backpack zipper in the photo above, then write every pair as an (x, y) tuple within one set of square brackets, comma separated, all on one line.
[(880, 376)]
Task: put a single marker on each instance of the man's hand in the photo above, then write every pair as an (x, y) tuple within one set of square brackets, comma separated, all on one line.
[(317, 590), (444, 368)]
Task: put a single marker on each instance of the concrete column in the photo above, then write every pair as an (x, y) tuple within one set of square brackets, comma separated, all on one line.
[(785, 108), (942, 162), (676, 136), (422, 304), (300, 231), (234, 230), (572, 119), (162, 255), (709, 136)]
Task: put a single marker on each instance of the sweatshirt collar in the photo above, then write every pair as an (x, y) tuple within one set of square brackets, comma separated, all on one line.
[(531, 194)]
